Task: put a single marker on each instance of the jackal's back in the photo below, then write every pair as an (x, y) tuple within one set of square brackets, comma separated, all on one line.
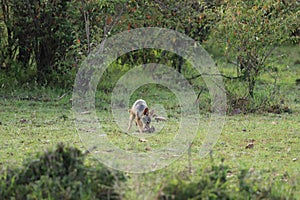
[(140, 107)]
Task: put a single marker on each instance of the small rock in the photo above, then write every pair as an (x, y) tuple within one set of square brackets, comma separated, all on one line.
[(86, 112), (223, 143), (229, 174), (148, 148), (143, 140), (249, 146), (295, 159), (23, 121), (251, 170), (236, 111)]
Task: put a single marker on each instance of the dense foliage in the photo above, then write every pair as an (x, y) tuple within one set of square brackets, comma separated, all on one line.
[(43, 42), (47, 39), (214, 182), (251, 30), (62, 174), (59, 174)]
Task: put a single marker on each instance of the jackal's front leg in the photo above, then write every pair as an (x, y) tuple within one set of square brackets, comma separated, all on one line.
[(131, 118), (140, 124)]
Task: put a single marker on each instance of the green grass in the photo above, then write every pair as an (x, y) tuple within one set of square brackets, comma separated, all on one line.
[(28, 127), (31, 126), (31, 121)]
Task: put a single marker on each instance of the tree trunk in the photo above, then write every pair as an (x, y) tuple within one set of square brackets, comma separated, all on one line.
[(44, 62), (251, 85)]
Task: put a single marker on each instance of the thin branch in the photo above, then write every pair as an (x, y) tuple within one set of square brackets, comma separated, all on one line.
[(198, 96), (115, 20), (161, 4), (87, 26), (232, 62), (33, 98), (267, 55), (223, 75)]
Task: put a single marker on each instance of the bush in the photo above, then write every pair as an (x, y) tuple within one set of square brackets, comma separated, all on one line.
[(265, 100), (213, 183), (245, 27), (59, 174)]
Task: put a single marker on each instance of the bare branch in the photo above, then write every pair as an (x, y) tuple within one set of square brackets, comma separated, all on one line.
[(223, 75), (232, 62), (115, 20), (198, 96), (268, 54), (87, 26)]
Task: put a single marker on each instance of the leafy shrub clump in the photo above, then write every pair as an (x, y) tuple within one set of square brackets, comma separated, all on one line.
[(59, 174), (213, 183)]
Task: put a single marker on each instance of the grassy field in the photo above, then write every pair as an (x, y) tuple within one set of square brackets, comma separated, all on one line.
[(29, 124)]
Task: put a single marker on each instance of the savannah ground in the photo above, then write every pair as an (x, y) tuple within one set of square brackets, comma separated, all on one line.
[(32, 120)]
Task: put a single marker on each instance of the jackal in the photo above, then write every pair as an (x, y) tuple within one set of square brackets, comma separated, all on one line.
[(142, 115)]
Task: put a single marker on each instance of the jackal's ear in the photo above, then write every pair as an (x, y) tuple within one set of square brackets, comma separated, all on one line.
[(129, 110), (146, 111)]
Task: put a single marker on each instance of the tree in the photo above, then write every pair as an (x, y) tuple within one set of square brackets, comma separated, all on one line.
[(250, 30), (7, 41), (43, 30), (193, 18), (39, 33), (51, 36)]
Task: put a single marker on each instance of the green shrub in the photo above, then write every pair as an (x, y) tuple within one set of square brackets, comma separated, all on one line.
[(58, 174), (252, 187), (213, 183), (265, 100)]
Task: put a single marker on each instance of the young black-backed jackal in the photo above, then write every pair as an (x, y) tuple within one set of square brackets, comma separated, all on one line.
[(142, 115)]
